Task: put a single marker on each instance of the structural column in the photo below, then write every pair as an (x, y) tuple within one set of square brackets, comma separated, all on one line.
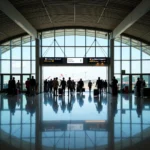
[(112, 106), (111, 65), (38, 65), (0, 59), (38, 125)]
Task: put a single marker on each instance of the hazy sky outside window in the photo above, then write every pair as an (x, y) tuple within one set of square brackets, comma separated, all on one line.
[(86, 73)]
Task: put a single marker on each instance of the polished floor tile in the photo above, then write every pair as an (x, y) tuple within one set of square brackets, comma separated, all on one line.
[(74, 122)]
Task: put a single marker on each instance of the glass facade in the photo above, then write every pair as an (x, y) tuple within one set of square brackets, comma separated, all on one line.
[(132, 56), (74, 43), (18, 55)]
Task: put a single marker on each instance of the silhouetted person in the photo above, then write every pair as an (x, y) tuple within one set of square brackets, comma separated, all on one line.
[(105, 86), (114, 86), (50, 85), (13, 83), (18, 85), (73, 85), (81, 85), (138, 87), (55, 86), (69, 85), (10, 86), (27, 83), (63, 85), (90, 85), (32, 86), (46, 86), (99, 85)]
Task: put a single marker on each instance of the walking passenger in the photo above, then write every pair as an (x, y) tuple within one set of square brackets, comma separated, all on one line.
[(99, 85), (90, 85)]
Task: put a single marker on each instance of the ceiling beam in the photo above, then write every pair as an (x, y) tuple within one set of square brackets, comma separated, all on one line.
[(17, 17), (129, 20)]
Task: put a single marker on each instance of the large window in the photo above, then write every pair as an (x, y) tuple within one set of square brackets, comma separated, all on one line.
[(131, 55), (74, 43), (17, 55)]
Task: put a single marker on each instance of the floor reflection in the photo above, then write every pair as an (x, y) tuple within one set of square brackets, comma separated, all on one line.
[(74, 122)]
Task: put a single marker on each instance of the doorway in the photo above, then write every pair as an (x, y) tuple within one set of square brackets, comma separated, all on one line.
[(76, 73)]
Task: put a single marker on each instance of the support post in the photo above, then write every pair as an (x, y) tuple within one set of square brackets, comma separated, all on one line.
[(38, 65), (111, 65)]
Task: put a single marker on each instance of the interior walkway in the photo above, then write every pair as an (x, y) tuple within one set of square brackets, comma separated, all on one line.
[(79, 122)]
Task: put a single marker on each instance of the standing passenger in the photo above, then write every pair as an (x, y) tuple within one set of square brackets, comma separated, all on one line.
[(55, 86), (138, 87), (81, 85), (32, 86), (69, 82), (63, 85)]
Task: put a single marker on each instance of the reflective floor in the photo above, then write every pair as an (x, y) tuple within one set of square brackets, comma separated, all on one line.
[(77, 122)]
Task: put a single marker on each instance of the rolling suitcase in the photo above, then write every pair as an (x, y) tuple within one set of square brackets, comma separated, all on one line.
[(96, 92), (78, 90), (60, 91), (83, 89)]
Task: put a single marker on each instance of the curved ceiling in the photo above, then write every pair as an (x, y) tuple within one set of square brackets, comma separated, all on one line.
[(103, 14)]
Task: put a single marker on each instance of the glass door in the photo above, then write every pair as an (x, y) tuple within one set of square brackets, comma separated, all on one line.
[(147, 80), (5, 79), (24, 79), (125, 88), (134, 79)]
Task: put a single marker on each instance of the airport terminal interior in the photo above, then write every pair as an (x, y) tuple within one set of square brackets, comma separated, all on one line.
[(77, 39)]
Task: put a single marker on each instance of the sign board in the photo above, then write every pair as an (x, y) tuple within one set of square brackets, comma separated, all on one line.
[(74, 126), (55, 60), (98, 61), (74, 60)]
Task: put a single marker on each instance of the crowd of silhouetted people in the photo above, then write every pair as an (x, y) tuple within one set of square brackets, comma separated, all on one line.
[(59, 87), (14, 88)]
